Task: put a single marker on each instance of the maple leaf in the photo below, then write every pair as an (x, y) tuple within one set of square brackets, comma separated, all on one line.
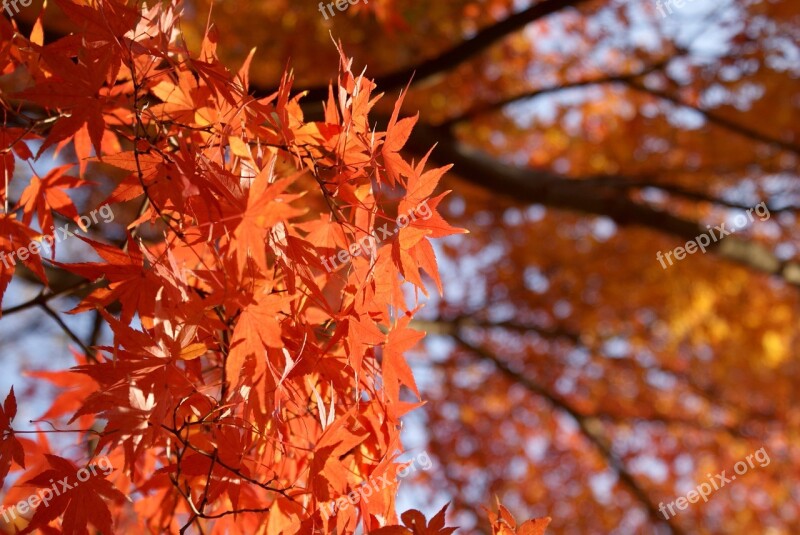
[(397, 134), (14, 139), (395, 369), (82, 503), (415, 524), (129, 282), (327, 468), (362, 334), (14, 235), (504, 523), (82, 143), (412, 251), (76, 388), (266, 205), (102, 27), (75, 89), (257, 328), (10, 447), (45, 195)]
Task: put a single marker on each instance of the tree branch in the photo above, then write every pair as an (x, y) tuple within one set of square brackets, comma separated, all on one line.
[(459, 53), (715, 118), (90, 354), (452, 327), (43, 297), (589, 427), (643, 182), (455, 326), (589, 195), (482, 108)]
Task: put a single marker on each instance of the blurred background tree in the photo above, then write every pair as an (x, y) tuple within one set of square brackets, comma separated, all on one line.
[(565, 370)]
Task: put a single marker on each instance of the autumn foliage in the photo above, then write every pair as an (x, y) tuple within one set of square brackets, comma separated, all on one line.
[(246, 385), (236, 343)]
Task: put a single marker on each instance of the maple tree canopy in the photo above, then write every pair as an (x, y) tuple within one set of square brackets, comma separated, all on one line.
[(243, 234)]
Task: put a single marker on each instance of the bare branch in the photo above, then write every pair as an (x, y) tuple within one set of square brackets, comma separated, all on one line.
[(717, 119), (589, 427), (459, 53), (483, 108), (589, 195)]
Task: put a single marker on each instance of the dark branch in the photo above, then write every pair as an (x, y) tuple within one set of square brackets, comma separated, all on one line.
[(455, 326), (482, 108), (74, 337), (588, 195), (458, 54), (43, 297), (717, 119), (589, 427)]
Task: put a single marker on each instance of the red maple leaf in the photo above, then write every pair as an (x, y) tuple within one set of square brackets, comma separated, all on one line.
[(10, 446), (81, 502)]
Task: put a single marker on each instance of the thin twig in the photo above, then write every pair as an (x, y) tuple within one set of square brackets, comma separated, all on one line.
[(44, 298), (90, 353)]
